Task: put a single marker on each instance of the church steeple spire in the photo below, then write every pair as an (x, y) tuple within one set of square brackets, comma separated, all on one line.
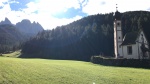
[(117, 14), (116, 7), (118, 38)]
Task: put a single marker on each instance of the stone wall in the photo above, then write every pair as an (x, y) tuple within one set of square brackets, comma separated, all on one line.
[(144, 63)]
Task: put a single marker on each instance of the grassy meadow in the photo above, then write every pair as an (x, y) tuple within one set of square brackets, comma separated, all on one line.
[(42, 71), (13, 54)]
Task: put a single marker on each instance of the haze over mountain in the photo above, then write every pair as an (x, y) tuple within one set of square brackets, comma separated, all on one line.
[(25, 26), (6, 21), (12, 36)]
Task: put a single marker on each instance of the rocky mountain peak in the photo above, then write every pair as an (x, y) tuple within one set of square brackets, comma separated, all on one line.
[(6, 21)]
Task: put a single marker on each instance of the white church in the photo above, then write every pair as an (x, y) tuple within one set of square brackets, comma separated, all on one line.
[(134, 45)]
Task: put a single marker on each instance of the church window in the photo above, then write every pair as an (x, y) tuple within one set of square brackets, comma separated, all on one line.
[(129, 50), (118, 24)]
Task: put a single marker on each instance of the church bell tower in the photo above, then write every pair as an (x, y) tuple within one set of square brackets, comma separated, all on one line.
[(118, 38)]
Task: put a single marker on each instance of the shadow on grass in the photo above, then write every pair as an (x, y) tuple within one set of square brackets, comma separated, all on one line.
[(38, 56), (124, 63), (138, 67)]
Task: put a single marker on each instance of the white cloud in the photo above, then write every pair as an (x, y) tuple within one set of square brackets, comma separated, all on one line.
[(13, 1), (4, 11), (2, 2), (52, 6), (45, 10), (106, 6), (44, 15), (31, 7), (132, 5), (58, 22), (96, 6)]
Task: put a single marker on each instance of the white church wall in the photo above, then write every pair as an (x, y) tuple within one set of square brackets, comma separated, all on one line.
[(136, 48), (134, 54)]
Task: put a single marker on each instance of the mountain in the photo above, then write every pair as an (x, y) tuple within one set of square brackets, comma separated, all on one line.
[(6, 21), (25, 26), (28, 28), (10, 38)]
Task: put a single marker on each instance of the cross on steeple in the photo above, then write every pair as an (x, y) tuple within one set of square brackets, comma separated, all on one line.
[(116, 7)]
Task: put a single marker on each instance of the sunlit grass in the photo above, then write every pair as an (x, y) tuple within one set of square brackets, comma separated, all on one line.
[(41, 71), (12, 54)]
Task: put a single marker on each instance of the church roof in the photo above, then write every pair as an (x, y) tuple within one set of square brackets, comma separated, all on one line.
[(117, 15), (130, 38)]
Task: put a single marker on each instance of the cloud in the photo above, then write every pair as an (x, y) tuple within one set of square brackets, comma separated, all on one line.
[(40, 11), (107, 6), (54, 22), (14, 2), (4, 11), (99, 6), (71, 12), (132, 5), (54, 6), (43, 12), (46, 11), (3, 2)]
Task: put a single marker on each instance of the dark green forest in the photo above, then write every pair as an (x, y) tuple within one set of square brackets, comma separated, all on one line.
[(81, 39)]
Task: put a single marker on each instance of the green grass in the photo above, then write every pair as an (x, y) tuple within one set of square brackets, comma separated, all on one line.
[(13, 54), (42, 71)]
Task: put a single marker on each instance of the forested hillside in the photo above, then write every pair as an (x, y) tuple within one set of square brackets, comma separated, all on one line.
[(10, 38), (92, 35)]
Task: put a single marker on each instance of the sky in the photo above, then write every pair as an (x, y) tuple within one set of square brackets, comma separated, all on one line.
[(53, 13)]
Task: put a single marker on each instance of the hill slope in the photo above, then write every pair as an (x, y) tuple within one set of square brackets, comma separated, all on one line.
[(92, 35), (40, 71), (10, 38)]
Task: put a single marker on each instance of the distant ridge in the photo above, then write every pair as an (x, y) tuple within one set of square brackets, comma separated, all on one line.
[(12, 36), (25, 26), (6, 21)]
